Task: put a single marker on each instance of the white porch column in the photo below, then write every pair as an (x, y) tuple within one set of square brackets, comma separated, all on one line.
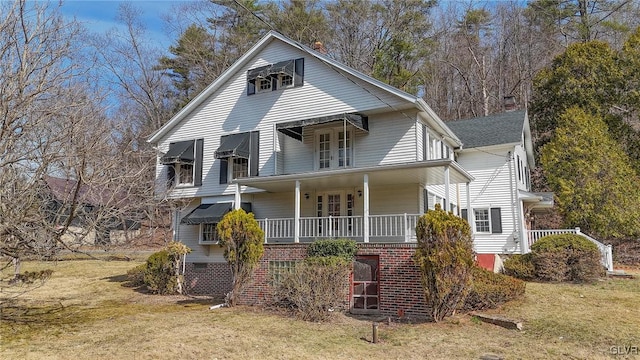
[(296, 216), (365, 210), (447, 198), (237, 198), (470, 213)]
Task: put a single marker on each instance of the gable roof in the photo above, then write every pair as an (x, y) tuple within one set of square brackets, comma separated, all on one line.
[(506, 128), (499, 129), (271, 35)]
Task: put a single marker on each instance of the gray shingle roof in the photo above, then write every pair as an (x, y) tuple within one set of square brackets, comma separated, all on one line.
[(503, 128)]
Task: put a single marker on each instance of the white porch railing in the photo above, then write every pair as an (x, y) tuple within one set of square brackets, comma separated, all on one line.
[(395, 227), (606, 251)]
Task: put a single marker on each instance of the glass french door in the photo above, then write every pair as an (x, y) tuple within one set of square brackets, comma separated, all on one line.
[(365, 285), (333, 150)]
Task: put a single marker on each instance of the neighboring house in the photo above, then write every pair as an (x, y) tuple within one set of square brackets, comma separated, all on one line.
[(96, 219), (317, 150)]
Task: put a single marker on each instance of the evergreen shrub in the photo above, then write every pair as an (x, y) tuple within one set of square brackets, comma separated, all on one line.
[(520, 267), (490, 290), (566, 257), (445, 257)]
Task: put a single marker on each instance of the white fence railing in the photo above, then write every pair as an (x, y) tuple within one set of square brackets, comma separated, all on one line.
[(606, 251), (398, 227)]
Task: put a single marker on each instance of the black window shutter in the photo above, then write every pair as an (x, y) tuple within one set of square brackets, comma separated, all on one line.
[(496, 221), (464, 214), (224, 166), (299, 76), (254, 157), (171, 175), (425, 194), (197, 177), (251, 87), (274, 82), (424, 142)]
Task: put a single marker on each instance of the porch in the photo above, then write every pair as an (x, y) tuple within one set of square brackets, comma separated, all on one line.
[(391, 228)]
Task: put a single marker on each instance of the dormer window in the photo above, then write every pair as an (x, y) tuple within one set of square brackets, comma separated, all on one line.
[(264, 84), (281, 75), (285, 81)]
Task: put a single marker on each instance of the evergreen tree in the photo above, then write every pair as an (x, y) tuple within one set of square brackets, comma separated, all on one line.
[(596, 188)]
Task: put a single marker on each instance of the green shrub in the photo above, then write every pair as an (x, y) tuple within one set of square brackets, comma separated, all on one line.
[(314, 288), (520, 267), (243, 242), (135, 276), (566, 257), (490, 290), (159, 275), (445, 257), (344, 248)]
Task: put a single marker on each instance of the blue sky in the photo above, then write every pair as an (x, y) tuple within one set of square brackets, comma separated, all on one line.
[(99, 15)]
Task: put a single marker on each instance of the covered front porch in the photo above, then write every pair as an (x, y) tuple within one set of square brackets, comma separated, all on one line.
[(349, 202)]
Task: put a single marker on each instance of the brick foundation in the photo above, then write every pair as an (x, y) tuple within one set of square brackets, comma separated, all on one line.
[(213, 279)]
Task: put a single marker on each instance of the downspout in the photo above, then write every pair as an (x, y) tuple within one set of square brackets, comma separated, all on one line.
[(513, 210), (275, 150)]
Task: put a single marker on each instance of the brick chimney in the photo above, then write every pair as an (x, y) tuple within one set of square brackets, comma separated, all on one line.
[(319, 47), (509, 102)]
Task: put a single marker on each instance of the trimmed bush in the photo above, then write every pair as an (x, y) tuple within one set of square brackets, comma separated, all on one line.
[(343, 248), (159, 276), (135, 276), (161, 272), (520, 267), (445, 257), (490, 290), (566, 257), (242, 240)]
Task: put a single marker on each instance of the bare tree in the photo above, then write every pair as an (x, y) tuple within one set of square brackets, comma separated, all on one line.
[(69, 174)]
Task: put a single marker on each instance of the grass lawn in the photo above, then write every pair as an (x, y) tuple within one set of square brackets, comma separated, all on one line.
[(84, 312)]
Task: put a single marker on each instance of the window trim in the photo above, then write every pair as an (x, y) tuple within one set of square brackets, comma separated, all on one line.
[(201, 237), (253, 161), (334, 148), (494, 219), (477, 219), (174, 168), (178, 171)]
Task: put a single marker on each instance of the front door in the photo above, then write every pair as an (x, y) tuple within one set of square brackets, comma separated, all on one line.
[(365, 286)]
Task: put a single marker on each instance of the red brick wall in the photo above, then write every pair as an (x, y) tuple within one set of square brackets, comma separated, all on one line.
[(400, 289)]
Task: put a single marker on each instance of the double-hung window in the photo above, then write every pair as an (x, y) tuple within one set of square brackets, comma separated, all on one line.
[(239, 155), (487, 220), (208, 233), (184, 163)]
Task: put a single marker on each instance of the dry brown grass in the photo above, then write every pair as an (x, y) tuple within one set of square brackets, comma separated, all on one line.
[(84, 311)]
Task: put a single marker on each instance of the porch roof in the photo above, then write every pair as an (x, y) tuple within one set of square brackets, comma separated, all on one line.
[(537, 201), (429, 172)]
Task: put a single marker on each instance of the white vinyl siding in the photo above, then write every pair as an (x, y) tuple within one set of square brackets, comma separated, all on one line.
[(229, 110), (491, 189)]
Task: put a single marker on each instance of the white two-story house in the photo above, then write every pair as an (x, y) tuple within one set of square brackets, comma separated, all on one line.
[(318, 150)]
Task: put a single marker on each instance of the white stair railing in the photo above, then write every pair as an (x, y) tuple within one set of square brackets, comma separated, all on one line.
[(606, 251)]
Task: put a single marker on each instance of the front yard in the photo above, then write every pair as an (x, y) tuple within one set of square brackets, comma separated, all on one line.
[(84, 311)]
